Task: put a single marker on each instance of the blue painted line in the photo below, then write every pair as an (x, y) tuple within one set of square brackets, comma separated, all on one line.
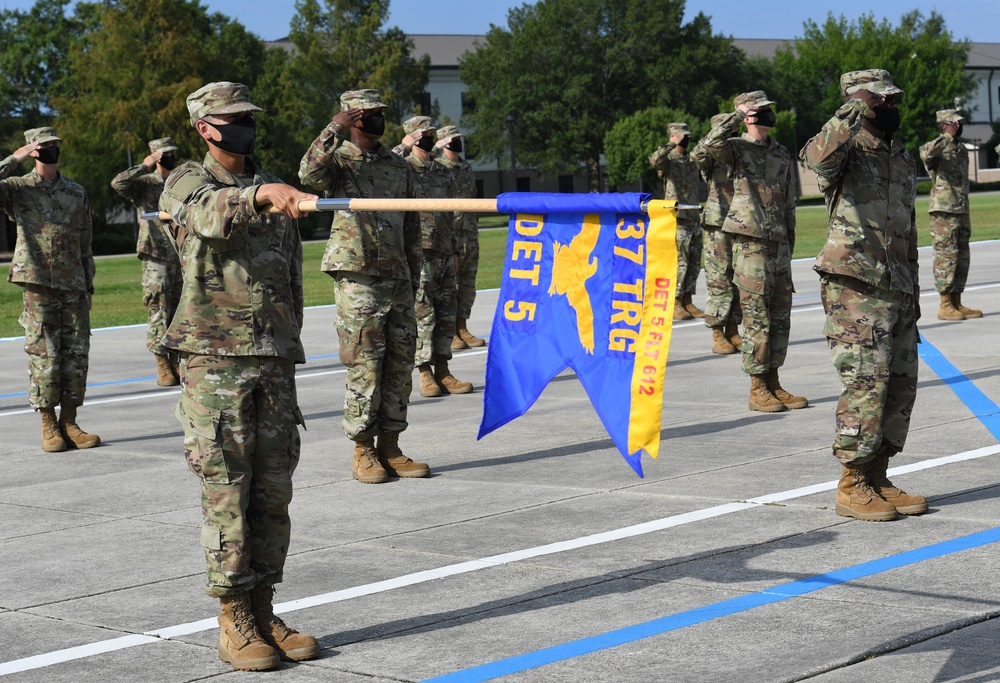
[(717, 610), (979, 403)]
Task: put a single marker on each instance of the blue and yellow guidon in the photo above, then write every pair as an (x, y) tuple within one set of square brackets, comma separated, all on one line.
[(588, 284)]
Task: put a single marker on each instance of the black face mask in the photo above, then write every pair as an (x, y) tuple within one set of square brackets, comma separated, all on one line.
[(168, 161), (886, 120), (766, 118), (374, 124), (426, 143), (455, 145), (237, 137), (49, 155), (684, 141)]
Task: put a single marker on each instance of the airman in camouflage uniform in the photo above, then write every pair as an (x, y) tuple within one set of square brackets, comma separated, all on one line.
[(869, 284), (722, 311), (54, 266), (947, 160), (161, 269), (374, 260), (680, 182), (449, 142), (761, 220), (435, 297), (238, 327)]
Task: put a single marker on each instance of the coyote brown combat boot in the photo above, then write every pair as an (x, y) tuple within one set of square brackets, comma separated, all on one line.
[(286, 640), (457, 344), (856, 498), (947, 310), (680, 313), (240, 643), (956, 301), (52, 440), (428, 385), (905, 503), (447, 381), (791, 401), (71, 430), (165, 376), (471, 340), (692, 310), (367, 469), (733, 335), (395, 463), (720, 344), (761, 398)]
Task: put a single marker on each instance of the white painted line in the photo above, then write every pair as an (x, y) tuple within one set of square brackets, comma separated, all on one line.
[(175, 392), (159, 635)]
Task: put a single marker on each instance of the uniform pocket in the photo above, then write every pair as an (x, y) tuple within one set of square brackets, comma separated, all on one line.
[(203, 440), (849, 331), (211, 537)]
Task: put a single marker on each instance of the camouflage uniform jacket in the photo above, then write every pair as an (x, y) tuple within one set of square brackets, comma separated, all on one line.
[(763, 205), (385, 244), (143, 189), (720, 187), (870, 189), (242, 271), (431, 180), (53, 230), (947, 160), (464, 182), (680, 175)]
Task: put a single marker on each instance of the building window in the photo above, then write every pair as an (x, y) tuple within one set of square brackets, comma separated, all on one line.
[(566, 184), (524, 184), (480, 192), (425, 103)]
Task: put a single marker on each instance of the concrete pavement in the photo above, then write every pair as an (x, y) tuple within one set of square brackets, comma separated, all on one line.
[(525, 552)]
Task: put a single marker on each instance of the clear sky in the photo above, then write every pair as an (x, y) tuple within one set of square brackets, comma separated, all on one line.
[(977, 20)]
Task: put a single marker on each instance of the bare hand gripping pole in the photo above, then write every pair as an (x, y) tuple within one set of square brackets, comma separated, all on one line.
[(361, 204)]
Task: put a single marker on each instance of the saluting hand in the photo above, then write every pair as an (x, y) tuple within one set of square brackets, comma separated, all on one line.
[(22, 153), (347, 118), (152, 159), (872, 99)]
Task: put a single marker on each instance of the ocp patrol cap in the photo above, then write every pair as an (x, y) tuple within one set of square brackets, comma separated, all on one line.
[(162, 145), (448, 132), (362, 99), (417, 124), (222, 97), (754, 99), (678, 128), (40, 135), (948, 116), (874, 80)]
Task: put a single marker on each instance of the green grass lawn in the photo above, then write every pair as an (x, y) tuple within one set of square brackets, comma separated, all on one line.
[(118, 299)]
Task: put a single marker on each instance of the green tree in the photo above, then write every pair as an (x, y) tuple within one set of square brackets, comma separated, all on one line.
[(343, 45), (568, 70), (630, 142), (920, 53), (33, 57), (128, 79)]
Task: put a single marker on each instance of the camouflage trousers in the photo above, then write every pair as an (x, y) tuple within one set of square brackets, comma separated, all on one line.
[(762, 270), (872, 335), (161, 291), (378, 337), (950, 234), (435, 307), (722, 294), (56, 326), (241, 438), (468, 267), (689, 248)]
